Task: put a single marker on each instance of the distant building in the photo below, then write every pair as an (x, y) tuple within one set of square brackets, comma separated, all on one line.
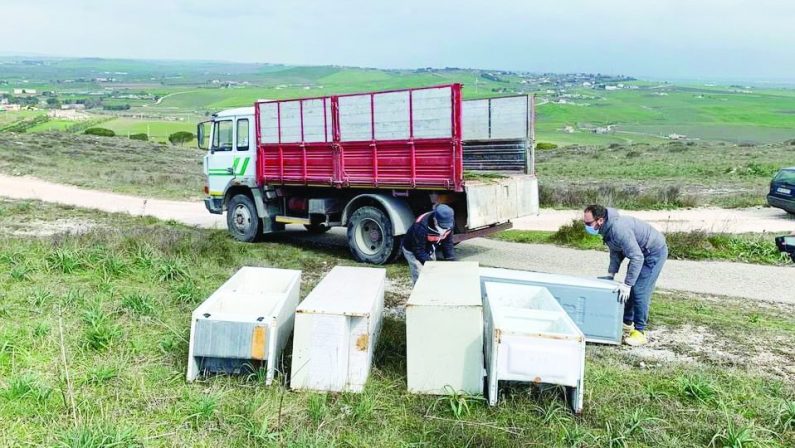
[(10, 107), (568, 129), (677, 136), (24, 91), (68, 114), (611, 87)]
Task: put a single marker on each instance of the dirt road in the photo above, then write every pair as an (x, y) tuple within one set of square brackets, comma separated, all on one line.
[(744, 220), (716, 278)]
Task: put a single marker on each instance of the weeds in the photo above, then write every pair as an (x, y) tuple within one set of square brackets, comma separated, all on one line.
[(139, 303), (786, 415), (98, 436), (101, 374), (696, 387), (317, 407), (65, 260), (27, 386), (458, 401), (171, 269), (100, 330), (202, 410)]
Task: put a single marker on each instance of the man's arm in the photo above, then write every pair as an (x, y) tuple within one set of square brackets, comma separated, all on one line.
[(629, 245), (448, 249), (616, 257), (420, 236)]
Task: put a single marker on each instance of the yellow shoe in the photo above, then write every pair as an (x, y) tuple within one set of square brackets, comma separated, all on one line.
[(636, 338), (628, 329)]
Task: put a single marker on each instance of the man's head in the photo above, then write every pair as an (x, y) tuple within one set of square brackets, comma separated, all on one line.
[(444, 216), (594, 218)]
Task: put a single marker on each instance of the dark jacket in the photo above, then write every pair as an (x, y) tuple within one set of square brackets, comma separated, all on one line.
[(629, 237), (423, 241)]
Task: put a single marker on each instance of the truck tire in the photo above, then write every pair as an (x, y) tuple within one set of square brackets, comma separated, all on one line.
[(370, 236), (317, 229), (242, 219)]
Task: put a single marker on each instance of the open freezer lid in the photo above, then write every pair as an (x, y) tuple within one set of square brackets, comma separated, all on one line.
[(542, 277)]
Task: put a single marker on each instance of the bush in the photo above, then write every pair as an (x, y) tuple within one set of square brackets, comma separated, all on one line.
[(626, 197), (142, 137), (544, 146), (180, 137), (100, 132)]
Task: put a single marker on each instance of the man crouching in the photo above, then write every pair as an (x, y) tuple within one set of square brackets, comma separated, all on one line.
[(431, 231)]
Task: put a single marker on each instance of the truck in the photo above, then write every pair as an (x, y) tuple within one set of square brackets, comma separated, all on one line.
[(372, 163)]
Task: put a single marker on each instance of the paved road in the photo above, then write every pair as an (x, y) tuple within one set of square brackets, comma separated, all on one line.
[(768, 283)]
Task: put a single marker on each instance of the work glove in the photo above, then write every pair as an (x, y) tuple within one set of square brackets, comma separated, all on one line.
[(607, 277), (623, 292)]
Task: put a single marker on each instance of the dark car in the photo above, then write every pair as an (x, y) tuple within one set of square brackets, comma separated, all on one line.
[(782, 190)]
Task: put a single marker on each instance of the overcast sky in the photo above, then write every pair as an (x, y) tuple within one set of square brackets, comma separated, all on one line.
[(707, 39)]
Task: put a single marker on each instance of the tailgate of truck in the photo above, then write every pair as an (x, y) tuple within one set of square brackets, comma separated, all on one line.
[(498, 200)]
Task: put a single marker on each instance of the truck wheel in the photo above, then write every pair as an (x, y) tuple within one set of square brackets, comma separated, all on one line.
[(242, 220), (317, 228), (370, 236)]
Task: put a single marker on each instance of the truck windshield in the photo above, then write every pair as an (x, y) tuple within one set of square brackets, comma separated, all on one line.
[(222, 136), (786, 176)]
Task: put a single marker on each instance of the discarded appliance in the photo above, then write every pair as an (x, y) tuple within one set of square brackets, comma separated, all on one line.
[(444, 330), (244, 322), (592, 304), (530, 338), (336, 330)]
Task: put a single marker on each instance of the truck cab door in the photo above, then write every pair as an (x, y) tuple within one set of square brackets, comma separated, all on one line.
[(245, 151), (220, 159)]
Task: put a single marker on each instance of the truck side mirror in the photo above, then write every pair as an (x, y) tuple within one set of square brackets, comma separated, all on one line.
[(201, 135)]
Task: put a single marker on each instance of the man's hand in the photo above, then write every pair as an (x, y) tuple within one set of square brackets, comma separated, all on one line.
[(607, 277), (623, 292)]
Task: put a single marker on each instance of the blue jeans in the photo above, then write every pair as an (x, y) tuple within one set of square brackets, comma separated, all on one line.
[(636, 310), (414, 265)]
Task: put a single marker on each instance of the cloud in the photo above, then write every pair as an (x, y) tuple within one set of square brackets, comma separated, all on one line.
[(673, 37)]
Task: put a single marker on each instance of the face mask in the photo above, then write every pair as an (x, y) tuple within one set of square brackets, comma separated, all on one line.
[(440, 230), (591, 230)]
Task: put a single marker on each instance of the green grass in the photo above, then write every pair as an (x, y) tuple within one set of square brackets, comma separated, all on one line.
[(694, 245), (115, 164), (664, 176), (126, 367)]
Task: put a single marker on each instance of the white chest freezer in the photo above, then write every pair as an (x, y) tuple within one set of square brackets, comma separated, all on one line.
[(336, 330), (244, 322), (529, 338), (592, 304), (444, 330)]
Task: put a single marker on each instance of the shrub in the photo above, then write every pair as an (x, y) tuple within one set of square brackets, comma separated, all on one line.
[(544, 146), (180, 137), (100, 132), (142, 137)]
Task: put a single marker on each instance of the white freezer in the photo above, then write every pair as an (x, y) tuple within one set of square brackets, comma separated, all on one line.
[(530, 338), (245, 321), (444, 330), (336, 330)]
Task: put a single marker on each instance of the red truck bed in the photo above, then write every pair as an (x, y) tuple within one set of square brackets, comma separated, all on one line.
[(392, 139)]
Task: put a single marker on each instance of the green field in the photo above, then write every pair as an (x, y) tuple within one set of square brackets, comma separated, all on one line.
[(158, 131), (94, 339)]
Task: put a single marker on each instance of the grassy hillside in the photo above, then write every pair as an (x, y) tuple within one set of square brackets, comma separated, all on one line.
[(643, 176), (105, 163)]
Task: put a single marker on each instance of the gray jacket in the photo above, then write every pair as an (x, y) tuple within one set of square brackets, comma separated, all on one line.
[(628, 237)]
